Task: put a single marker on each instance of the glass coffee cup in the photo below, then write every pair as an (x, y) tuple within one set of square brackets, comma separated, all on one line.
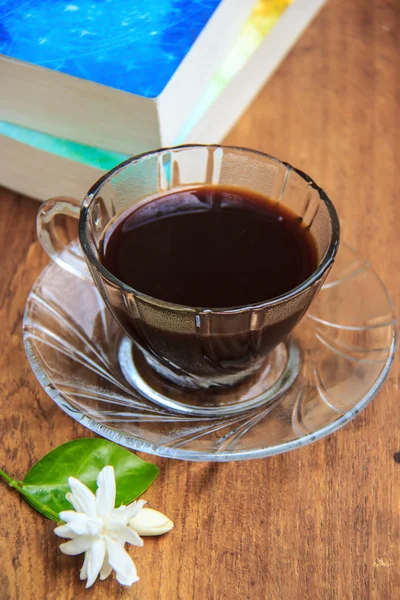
[(197, 348)]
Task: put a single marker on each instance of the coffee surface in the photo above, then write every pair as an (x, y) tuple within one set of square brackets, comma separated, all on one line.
[(210, 247)]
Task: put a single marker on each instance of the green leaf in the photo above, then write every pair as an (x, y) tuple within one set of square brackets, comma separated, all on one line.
[(47, 482)]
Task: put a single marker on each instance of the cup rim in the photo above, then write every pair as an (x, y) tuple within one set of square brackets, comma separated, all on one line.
[(321, 269)]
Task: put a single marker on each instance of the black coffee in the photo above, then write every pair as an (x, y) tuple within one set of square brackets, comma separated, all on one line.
[(210, 247)]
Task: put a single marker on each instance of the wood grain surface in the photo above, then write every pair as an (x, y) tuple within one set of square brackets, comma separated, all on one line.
[(322, 522)]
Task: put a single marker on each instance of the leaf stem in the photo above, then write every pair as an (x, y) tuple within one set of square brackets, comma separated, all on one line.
[(45, 510), (6, 477)]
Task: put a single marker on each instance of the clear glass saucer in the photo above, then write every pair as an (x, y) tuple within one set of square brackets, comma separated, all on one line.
[(346, 347)]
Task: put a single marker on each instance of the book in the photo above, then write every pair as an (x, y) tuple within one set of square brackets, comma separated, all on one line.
[(42, 175), (112, 74), (271, 31), (41, 165)]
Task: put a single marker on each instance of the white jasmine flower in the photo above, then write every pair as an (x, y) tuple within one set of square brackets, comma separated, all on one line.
[(150, 522), (99, 530)]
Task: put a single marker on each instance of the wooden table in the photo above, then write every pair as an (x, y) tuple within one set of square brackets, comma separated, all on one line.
[(319, 523)]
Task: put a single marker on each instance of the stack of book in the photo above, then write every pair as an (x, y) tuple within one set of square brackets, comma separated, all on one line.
[(87, 84)]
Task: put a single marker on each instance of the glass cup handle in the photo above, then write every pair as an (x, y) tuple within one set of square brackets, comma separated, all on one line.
[(56, 249)]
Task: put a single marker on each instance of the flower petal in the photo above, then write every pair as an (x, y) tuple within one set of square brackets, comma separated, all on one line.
[(83, 496), (70, 515), (121, 562), (83, 571), (87, 526), (96, 556), (65, 531), (80, 544), (81, 525), (105, 569), (124, 513), (105, 494), (75, 502), (121, 533), (150, 522)]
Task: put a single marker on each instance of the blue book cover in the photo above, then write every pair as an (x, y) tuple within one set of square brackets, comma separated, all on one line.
[(131, 45)]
